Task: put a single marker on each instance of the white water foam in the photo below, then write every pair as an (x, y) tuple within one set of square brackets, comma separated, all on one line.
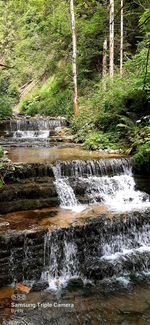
[(117, 191), (66, 193), (56, 277), (123, 245), (31, 134)]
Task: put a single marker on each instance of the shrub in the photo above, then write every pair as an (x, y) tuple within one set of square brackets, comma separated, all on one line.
[(8, 95), (142, 157), (5, 107), (99, 140)]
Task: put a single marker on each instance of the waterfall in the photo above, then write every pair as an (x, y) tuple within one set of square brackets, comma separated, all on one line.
[(35, 129), (109, 181), (35, 124), (81, 168), (125, 254), (124, 245), (31, 134), (62, 261), (117, 192), (65, 192), (104, 250)]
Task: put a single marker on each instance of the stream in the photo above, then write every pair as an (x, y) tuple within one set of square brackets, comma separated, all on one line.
[(74, 229)]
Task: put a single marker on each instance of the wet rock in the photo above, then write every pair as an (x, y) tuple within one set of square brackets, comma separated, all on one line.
[(28, 196), (24, 255), (40, 286), (14, 173), (22, 288), (20, 256), (75, 284)]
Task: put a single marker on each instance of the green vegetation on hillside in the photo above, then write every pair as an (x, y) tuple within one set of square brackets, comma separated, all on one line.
[(36, 43)]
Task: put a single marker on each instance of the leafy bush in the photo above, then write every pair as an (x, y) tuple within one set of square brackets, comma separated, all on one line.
[(99, 140), (136, 102), (8, 95), (142, 157), (5, 107)]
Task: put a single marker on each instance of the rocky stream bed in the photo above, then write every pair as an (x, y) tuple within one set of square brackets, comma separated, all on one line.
[(74, 230)]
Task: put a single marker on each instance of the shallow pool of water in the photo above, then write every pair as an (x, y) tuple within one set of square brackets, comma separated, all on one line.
[(109, 303), (52, 154)]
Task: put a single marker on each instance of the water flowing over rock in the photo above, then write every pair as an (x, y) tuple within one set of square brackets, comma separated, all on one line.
[(33, 130), (61, 262), (32, 124), (74, 183), (64, 190), (81, 168), (110, 181), (101, 248)]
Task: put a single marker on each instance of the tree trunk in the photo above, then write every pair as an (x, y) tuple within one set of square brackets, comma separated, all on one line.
[(74, 59), (104, 64), (111, 39), (121, 40)]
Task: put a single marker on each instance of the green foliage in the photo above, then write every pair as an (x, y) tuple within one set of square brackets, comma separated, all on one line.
[(1, 152), (5, 107), (112, 117), (1, 184), (91, 22), (36, 40), (53, 98), (8, 95), (145, 20), (99, 140), (85, 123), (142, 157)]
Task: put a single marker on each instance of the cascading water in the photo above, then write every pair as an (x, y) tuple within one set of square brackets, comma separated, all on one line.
[(118, 192), (62, 261), (124, 247), (106, 181), (31, 134), (65, 192), (33, 130), (104, 250), (36, 124)]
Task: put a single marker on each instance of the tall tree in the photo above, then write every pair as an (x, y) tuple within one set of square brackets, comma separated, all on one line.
[(121, 40), (104, 63), (74, 58), (111, 39)]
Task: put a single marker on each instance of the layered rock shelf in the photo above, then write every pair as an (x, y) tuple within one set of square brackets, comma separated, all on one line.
[(26, 187), (26, 253), (31, 186)]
